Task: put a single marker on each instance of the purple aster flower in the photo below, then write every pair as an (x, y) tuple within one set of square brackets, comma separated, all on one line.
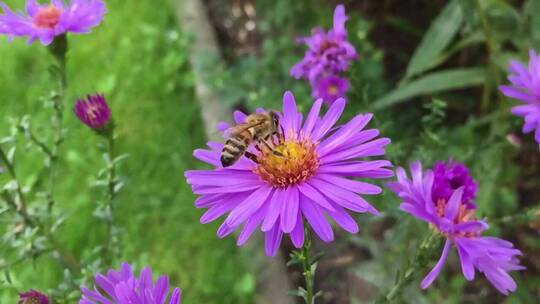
[(328, 52), (310, 178), (123, 287), (33, 297), (93, 111), (46, 21), (451, 176), (526, 88), (331, 88), (456, 221)]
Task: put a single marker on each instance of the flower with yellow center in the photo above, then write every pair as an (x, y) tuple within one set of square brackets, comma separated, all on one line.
[(306, 175)]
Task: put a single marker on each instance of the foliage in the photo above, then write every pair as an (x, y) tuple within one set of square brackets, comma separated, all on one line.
[(150, 92)]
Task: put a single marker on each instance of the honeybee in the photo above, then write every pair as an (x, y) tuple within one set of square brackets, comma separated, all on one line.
[(259, 127)]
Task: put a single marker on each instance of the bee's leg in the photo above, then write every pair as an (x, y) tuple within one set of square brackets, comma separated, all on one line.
[(277, 153), (281, 134), (273, 138), (252, 157)]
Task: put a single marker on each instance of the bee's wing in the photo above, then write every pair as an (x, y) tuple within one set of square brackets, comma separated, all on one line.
[(235, 130)]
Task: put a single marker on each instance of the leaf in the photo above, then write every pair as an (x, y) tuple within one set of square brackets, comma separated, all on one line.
[(435, 82), (436, 39)]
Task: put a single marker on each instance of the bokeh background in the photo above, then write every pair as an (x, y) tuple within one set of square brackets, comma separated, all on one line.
[(428, 69)]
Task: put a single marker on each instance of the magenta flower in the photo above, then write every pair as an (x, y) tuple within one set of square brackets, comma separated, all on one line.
[(526, 88), (312, 179), (331, 88), (33, 297), (456, 221), (93, 111), (123, 287), (46, 21), (328, 52), (451, 176)]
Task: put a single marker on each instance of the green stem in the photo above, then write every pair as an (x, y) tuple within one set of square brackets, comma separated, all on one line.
[(308, 263), (21, 205), (424, 256), (309, 275), (59, 50), (111, 193), (67, 258), (492, 52)]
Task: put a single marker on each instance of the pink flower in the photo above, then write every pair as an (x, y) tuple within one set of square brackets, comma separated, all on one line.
[(45, 22)]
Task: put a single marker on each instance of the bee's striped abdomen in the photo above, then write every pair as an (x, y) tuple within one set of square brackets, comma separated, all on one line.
[(235, 147)]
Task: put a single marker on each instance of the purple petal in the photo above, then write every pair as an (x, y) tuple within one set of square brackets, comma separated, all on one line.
[(273, 240), (452, 207), (329, 119), (274, 209), (312, 118), (466, 263), (297, 235), (249, 206), (289, 210), (317, 221), (434, 273), (312, 193)]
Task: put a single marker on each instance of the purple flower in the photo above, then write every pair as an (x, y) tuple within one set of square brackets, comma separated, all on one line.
[(526, 88), (93, 111), (456, 221), (46, 21), (328, 52), (451, 176), (123, 287), (311, 177), (331, 88), (33, 297)]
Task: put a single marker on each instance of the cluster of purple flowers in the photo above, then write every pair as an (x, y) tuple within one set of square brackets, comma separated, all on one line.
[(310, 176), (328, 55), (124, 287), (443, 197)]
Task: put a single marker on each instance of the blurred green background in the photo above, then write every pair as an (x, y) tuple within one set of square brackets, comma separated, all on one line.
[(138, 59), (429, 70)]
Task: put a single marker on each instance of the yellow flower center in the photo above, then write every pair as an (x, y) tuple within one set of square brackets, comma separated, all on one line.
[(290, 162), (464, 215), (47, 17), (332, 90)]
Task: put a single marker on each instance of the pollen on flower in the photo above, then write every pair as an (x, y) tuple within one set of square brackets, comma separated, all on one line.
[(332, 90), (47, 17), (464, 215), (291, 161)]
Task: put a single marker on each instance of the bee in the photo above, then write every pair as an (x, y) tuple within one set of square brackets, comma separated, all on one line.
[(259, 127)]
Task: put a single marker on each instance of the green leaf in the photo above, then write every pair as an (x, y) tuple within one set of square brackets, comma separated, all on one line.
[(435, 82), (437, 38)]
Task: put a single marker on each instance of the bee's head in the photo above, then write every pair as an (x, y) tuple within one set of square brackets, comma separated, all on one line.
[(275, 120)]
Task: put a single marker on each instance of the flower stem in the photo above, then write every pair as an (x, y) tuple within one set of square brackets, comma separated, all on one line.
[(308, 263), (59, 50), (111, 194), (424, 256), (492, 53), (20, 207), (308, 272)]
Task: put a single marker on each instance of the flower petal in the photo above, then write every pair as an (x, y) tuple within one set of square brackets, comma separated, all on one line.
[(434, 273)]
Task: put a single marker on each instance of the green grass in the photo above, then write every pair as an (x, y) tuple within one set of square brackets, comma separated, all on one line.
[(138, 58)]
